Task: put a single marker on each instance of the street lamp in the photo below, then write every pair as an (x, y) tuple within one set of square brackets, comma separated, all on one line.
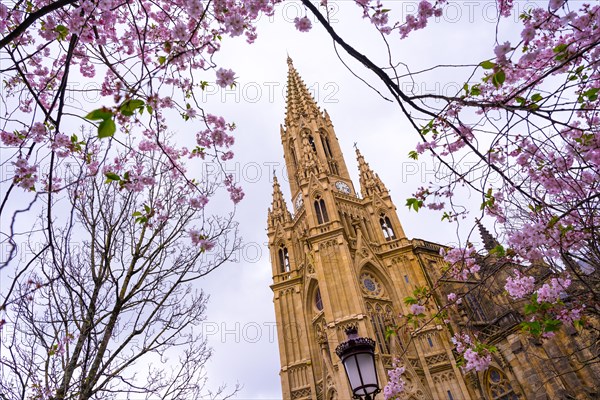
[(358, 356)]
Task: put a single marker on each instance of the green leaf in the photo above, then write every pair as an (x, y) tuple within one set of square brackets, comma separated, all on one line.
[(560, 48), (107, 128), (536, 97), (62, 31), (389, 332), (498, 251), (534, 328), (475, 90), (410, 300), (128, 107), (413, 154), (487, 64), (162, 59), (111, 176), (591, 94), (136, 214), (552, 325), (414, 204), (530, 308), (99, 114), (498, 78)]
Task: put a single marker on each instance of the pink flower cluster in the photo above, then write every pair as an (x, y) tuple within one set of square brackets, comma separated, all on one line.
[(201, 241), (453, 297), (235, 192), (551, 292), (417, 309), (216, 134), (25, 174), (225, 77), (462, 341), (520, 286), (475, 360), (479, 360), (568, 316), (463, 262), (198, 202), (303, 24), (395, 386), (426, 10)]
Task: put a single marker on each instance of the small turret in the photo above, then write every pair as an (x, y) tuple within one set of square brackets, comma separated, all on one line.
[(489, 242), (278, 212), (369, 181)]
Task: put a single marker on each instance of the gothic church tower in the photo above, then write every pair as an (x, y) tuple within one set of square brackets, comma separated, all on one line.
[(341, 259)]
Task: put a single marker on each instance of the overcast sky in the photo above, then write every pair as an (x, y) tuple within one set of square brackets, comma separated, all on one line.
[(240, 323), (241, 320)]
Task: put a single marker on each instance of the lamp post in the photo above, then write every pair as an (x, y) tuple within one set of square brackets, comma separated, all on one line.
[(358, 356)]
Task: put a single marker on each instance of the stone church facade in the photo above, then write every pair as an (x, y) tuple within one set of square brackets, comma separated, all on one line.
[(341, 259)]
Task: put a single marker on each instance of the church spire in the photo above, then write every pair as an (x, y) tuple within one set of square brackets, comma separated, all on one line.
[(300, 103), (369, 181), (489, 242), (278, 212)]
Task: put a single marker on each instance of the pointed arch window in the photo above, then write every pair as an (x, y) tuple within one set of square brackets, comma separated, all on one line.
[(381, 317), (386, 227), (293, 154), (326, 146), (312, 143), (318, 300), (498, 387), (284, 259), (321, 210)]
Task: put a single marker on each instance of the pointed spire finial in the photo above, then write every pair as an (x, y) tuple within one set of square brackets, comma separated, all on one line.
[(300, 105), (369, 181), (489, 242), (278, 212)]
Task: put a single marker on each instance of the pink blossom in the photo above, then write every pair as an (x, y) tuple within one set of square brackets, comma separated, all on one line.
[(501, 50), (417, 309), (25, 174), (519, 286), (550, 292), (146, 145), (476, 361), (505, 7), (395, 385), (201, 241), (180, 32), (528, 34), (554, 5), (462, 262), (303, 24), (435, 206), (3, 18), (569, 316), (462, 341), (198, 202), (38, 132), (10, 138), (225, 77)]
